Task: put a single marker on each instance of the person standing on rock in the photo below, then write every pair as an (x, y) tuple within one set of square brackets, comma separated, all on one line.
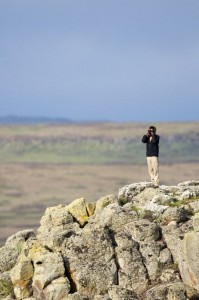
[(151, 139)]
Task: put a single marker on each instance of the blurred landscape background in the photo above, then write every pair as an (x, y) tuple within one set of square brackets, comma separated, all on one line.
[(80, 83), (49, 163)]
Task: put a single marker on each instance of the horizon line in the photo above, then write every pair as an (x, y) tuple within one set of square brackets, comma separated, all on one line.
[(47, 119)]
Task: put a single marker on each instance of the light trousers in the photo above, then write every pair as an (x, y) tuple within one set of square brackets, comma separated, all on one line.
[(153, 168)]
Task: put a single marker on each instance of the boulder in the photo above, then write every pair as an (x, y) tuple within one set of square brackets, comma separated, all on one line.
[(177, 214), (12, 249), (169, 275), (21, 276), (6, 286), (114, 217), (128, 192), (47, 265), (104, 201), (8, 258), (172, 291), (56, 225), (78, 209), (189, 265), (89, 261), (21, 236), (131, 269), (57, 289), (144, 230)]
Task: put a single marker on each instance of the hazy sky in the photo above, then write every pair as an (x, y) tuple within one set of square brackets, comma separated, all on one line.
[(122, 60)]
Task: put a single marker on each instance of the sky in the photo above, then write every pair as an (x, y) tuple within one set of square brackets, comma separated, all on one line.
[(96, 60)]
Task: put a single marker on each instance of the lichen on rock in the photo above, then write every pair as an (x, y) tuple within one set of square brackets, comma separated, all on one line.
[(140, 245)]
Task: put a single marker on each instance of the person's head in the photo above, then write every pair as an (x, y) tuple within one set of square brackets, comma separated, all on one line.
[(152, 128)]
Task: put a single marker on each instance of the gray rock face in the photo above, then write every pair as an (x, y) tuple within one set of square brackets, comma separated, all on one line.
[(89, 259), (141, 245), (131, 271), (117, 293), (171, 291)]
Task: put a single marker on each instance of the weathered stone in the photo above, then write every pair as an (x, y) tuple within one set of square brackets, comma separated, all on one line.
[(56, 225), (54, 239), (189, 265), (154, 207), (150, 253), (179, 291), (174, 291), (76, 296), (177, 214), (184, 244), (6, 286), (189, 183), (57, 289), (104, 201), (196, 222), (78, 210), (165, 257), (8, 258), (148, 196), (142, 246), (131, 268), (56, 216), (169, 275), (114, 217), (89, 259), (147, 234), (47, 265), (144, 230), (128, 192), (119, 293), (102, 297), (21, 276), (194, 206), (173, 236), (90, 207), (12, 249), (21, 236), (144, 195)]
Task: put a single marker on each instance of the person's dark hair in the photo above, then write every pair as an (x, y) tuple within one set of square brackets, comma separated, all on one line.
[(153, 127)]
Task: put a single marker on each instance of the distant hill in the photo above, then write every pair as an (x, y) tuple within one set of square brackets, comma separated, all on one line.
[(32, 120), (94, 143)]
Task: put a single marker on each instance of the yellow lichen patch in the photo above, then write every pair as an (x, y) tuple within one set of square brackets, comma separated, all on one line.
[(78, 210), (90, 208), (35, 250)]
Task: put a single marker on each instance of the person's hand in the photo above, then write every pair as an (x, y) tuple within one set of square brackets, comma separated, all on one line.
[(147, 134)]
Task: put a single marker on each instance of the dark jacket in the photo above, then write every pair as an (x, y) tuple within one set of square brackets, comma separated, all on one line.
[(152, 147)]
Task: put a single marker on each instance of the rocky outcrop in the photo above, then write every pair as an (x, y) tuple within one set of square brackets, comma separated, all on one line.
[(141, 244)]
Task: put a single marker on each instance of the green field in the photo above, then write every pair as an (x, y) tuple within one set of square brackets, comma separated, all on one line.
[(45, 165), (105, 143)]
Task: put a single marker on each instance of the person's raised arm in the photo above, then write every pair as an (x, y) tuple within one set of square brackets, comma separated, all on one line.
[(145, 138)]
